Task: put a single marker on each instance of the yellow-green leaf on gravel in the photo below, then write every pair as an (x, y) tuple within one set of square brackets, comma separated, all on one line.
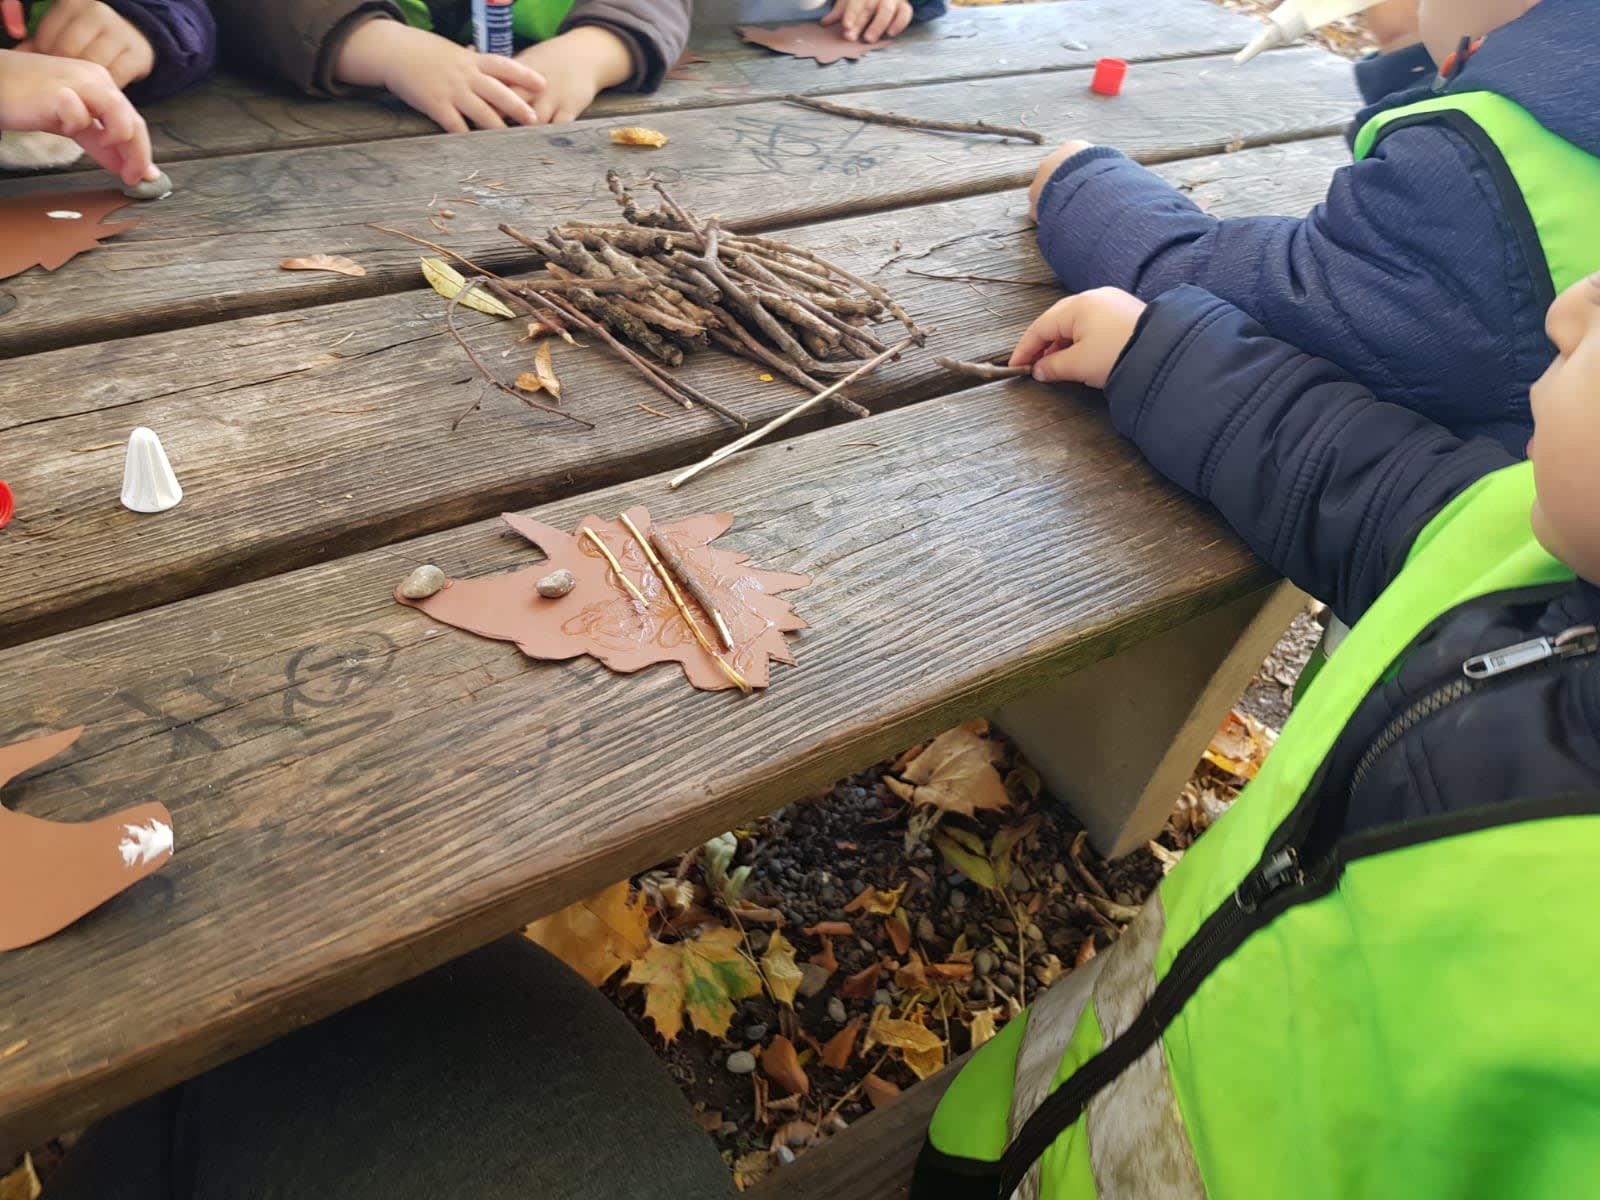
[(447, 281), (700, 976), (782, 972)]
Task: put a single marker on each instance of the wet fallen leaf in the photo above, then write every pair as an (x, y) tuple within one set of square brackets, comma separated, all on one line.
[(21, 1184), (782, 972), (922, 1048), (781, 1064), (841, 1046), (982, 1027), (637, 135), (702, 977), (879, 1091), (546, 373), (599, 936), (863, 983), (899, 934), (956, 773), (828, 928), (825, 957), (337, 263), (447, 281)]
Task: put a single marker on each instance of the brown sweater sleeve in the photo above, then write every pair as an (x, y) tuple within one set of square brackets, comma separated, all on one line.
[(294, 41), (656, 32)]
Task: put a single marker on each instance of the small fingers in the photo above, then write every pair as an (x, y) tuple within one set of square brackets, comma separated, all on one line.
[(1051, 329), (881, 18), (479, 112), (510, 71), (444, 115), (71, 114), (505, 101), (855, 16), (902, 17)]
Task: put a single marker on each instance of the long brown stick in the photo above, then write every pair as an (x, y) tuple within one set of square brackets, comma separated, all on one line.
[(979, 370), (755, 435), (903, 122), (689, 580)]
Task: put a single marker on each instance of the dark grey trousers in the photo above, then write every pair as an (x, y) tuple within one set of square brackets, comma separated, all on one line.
[(499, 1075)]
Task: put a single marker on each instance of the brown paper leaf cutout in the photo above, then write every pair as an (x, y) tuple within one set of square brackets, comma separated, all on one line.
[(337, 263), (31, 237), (599, 619), (53, 872), (809, 40)]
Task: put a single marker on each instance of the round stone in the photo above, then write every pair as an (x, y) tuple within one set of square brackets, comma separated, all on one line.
[(755, 1033), (158, 188), (423, 582), (836, 1011), (555, 584), (741, 1062)]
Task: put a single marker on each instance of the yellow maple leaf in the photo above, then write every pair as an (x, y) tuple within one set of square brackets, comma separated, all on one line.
[(21, 1184), (599, 936), (782, 972), (956, 772), (637, 135), (701, 977), (922, 1048)]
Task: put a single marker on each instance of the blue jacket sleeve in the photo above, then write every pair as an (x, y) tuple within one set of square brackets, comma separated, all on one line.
[(926, 10), (1324, 482), (183, 35), (1410, 275), (1381, 75)]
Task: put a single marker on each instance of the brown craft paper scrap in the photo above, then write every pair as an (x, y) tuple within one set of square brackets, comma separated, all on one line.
[(599, 619), (31, 237), (680, 69), (810, 40), (53, 872)]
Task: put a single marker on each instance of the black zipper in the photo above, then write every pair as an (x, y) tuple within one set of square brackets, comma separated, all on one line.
[(1279, 882)]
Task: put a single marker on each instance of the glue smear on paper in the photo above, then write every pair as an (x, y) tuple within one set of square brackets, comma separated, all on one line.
[(145, 843)]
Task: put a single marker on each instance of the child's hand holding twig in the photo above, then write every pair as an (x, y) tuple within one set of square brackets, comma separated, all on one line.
[(869, 20), (457, 87), (79, 100), (1079, 339), (96, 33)]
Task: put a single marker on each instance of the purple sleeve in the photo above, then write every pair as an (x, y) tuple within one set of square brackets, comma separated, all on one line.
[(184, 37)]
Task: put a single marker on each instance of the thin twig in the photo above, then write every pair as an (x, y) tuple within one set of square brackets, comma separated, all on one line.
[(1049, 283), (1089, 880), (411, 237), (697, 589), (605, 552), (798, 410), (450, 322), (978, 370), (883, 118), (683, 609)]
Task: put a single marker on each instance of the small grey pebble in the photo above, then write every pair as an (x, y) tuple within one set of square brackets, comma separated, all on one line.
[(983, 962), (958, 901), (925, 929), (555, 584), (149, 189), (836, 1012), (423, 582), (881, 996), (783, 1154), (755, 1033), (813, 978), (741, 1062), (828, 894), (1059, 872)]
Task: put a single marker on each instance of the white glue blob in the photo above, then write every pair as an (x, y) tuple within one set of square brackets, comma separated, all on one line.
[(145, 842), (65, 214)]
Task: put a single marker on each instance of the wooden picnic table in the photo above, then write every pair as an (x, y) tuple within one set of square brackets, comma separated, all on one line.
[(359, 793)]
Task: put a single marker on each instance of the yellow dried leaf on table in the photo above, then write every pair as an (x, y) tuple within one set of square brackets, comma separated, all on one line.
[(700, 977), (21, 1184), (765, 378), (527, 381), (637, 135), (545, 371), (982, 1027), (956, 772), (447, 281), (836, 1053), (599, 936), (781, 1064), (782, 972), (879, 1091), (337, 263)]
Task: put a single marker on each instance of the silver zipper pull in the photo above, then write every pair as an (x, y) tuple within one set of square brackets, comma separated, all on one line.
[(1580, 639)]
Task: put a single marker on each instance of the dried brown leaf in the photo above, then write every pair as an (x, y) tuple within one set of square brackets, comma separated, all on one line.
[(828, 928), (863, 983), (841, 1046), (956, 772), (337, 263), (527, 381), (949, 972), (782, 1065), (825, 957), (899, 934), (1085, 951), (545, 371), (21, 1184), (637, 135), (879, 1091), (599, 936)]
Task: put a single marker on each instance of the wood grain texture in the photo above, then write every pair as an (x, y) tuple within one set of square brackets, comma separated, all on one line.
[(232, 115), (873, 1159), (307, 435), (359, 794), (212, 249)]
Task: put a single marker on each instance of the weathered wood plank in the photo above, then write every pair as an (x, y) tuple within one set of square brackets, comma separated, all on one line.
[(237, 116), (330, 433), (359, 794), (211, 250)]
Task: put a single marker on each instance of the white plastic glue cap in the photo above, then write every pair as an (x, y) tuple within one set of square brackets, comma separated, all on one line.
[(148, 484)]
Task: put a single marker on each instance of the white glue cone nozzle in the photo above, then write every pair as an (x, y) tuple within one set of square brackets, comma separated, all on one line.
[(148, 484), (1269, 39)]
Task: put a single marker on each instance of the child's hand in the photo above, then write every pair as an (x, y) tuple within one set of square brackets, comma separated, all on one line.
[(1079, 339), (79, 100), (576, 66), (457, 87), (869, 19), (1394, 24), (96, 33), (1048, 168)]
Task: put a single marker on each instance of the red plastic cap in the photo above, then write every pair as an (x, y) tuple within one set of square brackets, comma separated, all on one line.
[(1108, 76), (8, 506)]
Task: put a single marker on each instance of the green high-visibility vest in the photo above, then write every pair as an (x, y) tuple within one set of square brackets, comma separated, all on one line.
[(531, 20), (1391, 1016), (1549, 187)]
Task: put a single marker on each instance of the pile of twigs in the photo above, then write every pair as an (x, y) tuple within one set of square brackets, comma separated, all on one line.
[(662, 283)]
